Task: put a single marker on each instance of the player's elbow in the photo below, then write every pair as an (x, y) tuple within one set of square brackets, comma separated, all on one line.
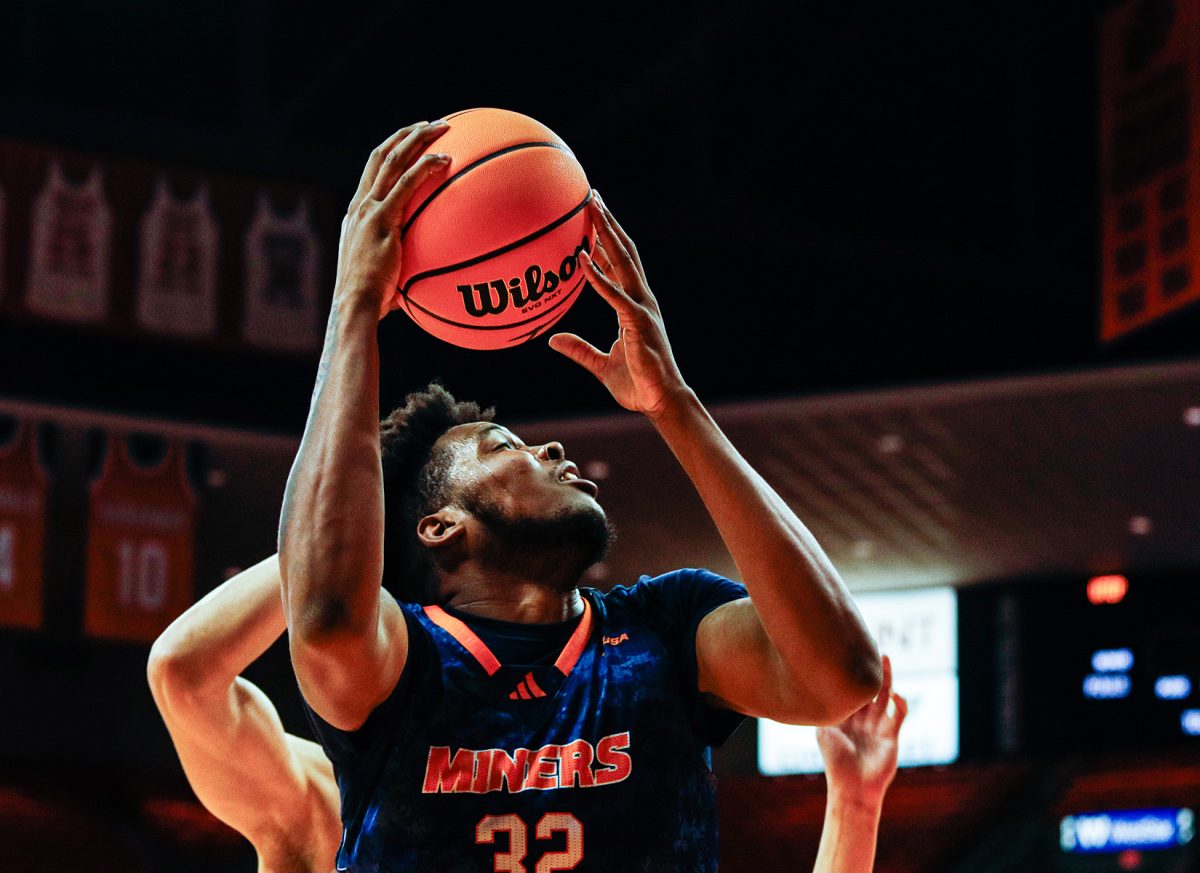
[(857, 683), (173, 672), (831, 695)]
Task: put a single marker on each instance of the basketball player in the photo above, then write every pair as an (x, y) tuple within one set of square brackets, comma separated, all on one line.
[(501, 718), (278, 790)]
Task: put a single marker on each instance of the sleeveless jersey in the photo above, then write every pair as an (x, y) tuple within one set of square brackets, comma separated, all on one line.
[(281, 280), (22, 529), (68, 266), (177, 282), (599, 761), (141, 526)]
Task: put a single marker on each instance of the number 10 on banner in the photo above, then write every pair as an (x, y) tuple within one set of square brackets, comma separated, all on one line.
[(142, 580)]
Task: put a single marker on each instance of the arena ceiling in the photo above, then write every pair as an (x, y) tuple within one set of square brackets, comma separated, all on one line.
[(1088, 472)]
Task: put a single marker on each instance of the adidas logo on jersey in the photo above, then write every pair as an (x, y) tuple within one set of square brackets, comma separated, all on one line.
[(527, 689)]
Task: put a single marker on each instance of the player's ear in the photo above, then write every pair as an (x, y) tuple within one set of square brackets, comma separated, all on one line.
[(442, 528)]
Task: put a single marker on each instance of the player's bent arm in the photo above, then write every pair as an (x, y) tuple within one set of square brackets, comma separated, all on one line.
[(204, 649), (802, 636), (798, 650), (347, 640), (255, 777), (242, 765)]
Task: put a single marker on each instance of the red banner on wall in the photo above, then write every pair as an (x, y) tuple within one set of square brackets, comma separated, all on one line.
[(22, 529), (141, 536), (1150, 162)]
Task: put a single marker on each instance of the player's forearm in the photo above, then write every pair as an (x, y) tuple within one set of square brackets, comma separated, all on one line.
[(805, 609), (331, 526), (210, 644), (849, 835)]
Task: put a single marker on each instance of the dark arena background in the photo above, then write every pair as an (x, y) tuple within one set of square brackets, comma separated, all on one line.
[(932, 265)]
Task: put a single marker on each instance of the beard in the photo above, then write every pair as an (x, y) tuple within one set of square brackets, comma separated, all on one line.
[(558, 547)]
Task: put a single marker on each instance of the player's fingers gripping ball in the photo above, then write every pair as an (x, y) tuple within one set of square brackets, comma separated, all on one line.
[(491, 247)]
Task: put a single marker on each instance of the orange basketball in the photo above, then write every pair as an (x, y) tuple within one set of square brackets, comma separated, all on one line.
[(491, 247)]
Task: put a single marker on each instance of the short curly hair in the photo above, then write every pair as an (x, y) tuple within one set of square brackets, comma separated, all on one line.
[(415, 483)]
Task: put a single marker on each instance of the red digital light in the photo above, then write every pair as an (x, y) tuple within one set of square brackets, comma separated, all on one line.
[(1107, 589)]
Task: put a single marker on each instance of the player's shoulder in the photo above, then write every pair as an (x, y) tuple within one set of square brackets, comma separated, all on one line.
[(675, 589)]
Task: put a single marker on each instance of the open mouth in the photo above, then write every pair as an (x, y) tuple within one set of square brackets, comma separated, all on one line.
[(568, 474)]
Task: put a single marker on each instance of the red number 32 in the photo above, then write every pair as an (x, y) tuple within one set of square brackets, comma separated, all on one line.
[(513, 860)]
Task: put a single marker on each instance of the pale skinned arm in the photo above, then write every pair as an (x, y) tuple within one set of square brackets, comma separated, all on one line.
[(860, 758), (347, 636), (243, 766), (797, 651)]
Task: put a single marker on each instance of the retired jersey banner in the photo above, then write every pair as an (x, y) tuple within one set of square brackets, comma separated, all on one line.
[(177, 280), (143, 250), (72, 230), (281, 280), (22, 529), (1150, 162), (141, 535)]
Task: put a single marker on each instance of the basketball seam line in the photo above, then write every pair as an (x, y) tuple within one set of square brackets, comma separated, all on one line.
[(428, 274), (468, 168), (444, 320), (461, 112)]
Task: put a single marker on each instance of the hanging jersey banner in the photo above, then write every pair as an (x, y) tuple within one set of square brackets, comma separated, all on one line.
[(22, 530), (69, 260), (281, 280), (141, 531), (177, 280), (1149, 153)]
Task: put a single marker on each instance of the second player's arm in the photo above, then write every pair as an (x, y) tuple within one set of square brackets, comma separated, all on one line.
[(266, 784), (798, 650), (860, 755)]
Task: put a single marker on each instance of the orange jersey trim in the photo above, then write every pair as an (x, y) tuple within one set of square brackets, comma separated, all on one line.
[(465, 636), (478, 648)]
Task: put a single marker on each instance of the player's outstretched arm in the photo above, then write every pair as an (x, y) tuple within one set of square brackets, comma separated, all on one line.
[(860, 762), (261, 781), (797, 650), (347, 637)]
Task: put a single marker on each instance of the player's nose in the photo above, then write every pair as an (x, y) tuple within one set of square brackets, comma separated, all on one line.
[(551, 451)]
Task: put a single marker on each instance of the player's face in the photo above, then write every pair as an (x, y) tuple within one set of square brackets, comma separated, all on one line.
[(525, 481), (526, 495)]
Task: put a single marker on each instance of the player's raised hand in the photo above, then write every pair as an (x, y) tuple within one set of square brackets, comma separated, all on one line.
[(369, 248), (861, 753), (639, 369)]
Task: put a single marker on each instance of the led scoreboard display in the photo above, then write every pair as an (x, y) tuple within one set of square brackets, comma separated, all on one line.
[(1106, 671)]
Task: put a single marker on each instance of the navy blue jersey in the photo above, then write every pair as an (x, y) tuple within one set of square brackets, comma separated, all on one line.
[(598, 761)]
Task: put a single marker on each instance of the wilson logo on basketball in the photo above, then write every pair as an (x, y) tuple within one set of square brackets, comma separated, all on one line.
[(527, 293)]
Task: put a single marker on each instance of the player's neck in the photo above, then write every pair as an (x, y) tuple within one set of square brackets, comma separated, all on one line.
[(508, 597)]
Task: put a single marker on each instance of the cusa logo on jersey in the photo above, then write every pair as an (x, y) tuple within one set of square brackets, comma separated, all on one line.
[(576, 764)]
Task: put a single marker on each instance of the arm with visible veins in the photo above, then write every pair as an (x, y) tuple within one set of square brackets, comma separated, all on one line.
[(347, 636), (797, 650), (243, 766)]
